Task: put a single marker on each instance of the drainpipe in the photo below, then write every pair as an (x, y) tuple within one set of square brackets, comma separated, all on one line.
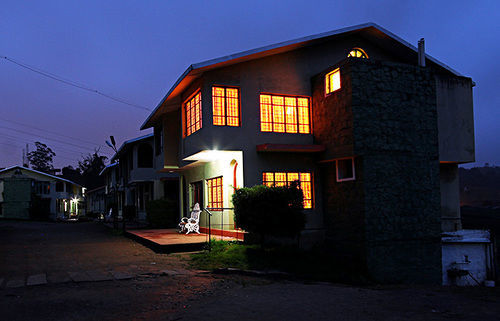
[(421, 52)]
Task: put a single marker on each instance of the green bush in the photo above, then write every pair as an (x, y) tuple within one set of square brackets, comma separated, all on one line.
[(275, 211), (162, 213)]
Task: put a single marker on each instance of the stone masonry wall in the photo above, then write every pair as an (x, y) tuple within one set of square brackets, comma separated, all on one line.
[(343, 203), (395, 132)]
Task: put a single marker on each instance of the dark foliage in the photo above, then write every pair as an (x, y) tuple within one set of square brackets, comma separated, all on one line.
[(129, 212), (266, 210), (41, 158), (480, 186), (162, 213), (90, 167)]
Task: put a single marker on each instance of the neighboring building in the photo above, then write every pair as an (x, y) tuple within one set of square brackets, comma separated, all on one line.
[(58, 197), (95, 201), (133, 178), (372, 130)]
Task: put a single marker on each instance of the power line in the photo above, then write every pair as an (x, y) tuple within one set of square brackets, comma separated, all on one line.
[(44, 137), (58, 148), (17, 146), (72, 83), (49, 131)]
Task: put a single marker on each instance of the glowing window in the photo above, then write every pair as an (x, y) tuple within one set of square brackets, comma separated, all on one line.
[(226, 106), (332, 81), (215, 193), (285, 179), (192, 109), (284, 114), (357, 53)]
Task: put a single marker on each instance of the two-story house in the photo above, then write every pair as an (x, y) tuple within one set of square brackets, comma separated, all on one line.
[(133, 178), (372, 128), (59, 198)]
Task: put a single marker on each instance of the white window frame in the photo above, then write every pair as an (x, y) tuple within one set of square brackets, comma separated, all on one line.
[(337, 170)]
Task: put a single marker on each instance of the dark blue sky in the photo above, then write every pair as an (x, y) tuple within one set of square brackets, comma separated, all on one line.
[(135, 50)]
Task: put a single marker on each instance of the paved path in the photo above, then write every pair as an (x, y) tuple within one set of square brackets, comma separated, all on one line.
[(38, 253)]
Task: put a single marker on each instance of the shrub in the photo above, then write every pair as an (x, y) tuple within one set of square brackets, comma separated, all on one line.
[(129, 212), (275, 211), (39, 208), (162, 213)]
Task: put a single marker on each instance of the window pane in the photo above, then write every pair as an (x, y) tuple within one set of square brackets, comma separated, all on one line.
[(291, 114), (218, 106), (284, 114), (345, 169), (265, 113), (233, 101), (333, 81), (193, 114)]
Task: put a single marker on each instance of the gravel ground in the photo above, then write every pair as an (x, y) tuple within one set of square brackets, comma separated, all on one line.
[(33, 248)]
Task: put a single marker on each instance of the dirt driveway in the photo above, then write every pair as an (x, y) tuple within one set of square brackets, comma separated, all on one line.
[(85, 265)]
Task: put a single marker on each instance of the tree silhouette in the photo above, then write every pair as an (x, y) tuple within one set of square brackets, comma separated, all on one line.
[(41, 158)]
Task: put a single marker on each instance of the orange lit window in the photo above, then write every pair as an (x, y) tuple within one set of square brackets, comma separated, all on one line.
[(226, 106), (285, 179), (284, 114), (192, 109), (215, 193), (332, 81), (357, 53)]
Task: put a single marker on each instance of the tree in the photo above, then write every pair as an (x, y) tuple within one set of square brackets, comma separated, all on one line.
[(41, 158), (90, 167)]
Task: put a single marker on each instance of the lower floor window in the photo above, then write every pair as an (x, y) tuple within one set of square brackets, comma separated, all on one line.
[(215, 193), (285, 179), (345, 169)]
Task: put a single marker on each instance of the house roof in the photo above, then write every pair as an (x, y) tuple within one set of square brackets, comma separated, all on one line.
[(383, 37), (38, 172), (108, 167), (126, 143)]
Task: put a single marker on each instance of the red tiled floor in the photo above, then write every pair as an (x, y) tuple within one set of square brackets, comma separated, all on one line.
[(171, 237)]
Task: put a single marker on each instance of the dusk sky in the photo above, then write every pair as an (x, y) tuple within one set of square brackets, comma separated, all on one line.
[(135, 51)]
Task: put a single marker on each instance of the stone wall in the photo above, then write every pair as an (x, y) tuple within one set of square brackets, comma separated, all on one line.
[(385, 116)]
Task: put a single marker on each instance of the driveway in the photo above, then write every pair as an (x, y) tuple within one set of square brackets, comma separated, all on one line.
[(85, 272)]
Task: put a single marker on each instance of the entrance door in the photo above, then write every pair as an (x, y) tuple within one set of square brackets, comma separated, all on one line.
[(197, 189)]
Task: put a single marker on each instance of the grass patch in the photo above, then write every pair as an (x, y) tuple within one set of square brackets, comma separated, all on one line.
[(314, 264)]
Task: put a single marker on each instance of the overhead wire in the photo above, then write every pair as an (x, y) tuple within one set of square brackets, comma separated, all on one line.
[(49, 131), (72, 83)]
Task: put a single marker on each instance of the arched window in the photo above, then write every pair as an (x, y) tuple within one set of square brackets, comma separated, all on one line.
[(357, 53), (145, 156)]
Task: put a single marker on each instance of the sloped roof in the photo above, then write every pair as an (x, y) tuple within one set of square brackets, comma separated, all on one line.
[(108, 167), (383, 36), (38, 172), (128, 142)]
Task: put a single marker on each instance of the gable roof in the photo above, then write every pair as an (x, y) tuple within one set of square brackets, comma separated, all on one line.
[(125, 144), (107, 167), (383, 36), (38, 172)]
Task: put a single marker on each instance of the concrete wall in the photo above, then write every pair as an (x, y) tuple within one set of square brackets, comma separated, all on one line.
[(450, 198), (455, 119), (16, 197)]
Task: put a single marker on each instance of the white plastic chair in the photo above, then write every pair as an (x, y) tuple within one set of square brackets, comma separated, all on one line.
[(191, 224)]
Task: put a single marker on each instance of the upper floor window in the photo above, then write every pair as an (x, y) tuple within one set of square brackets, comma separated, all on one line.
[(215, 193), (285, 179), (145, 156), (192, 109), (226, 106), (357, 53), (332, 81), (284, 114), (42, 187)]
